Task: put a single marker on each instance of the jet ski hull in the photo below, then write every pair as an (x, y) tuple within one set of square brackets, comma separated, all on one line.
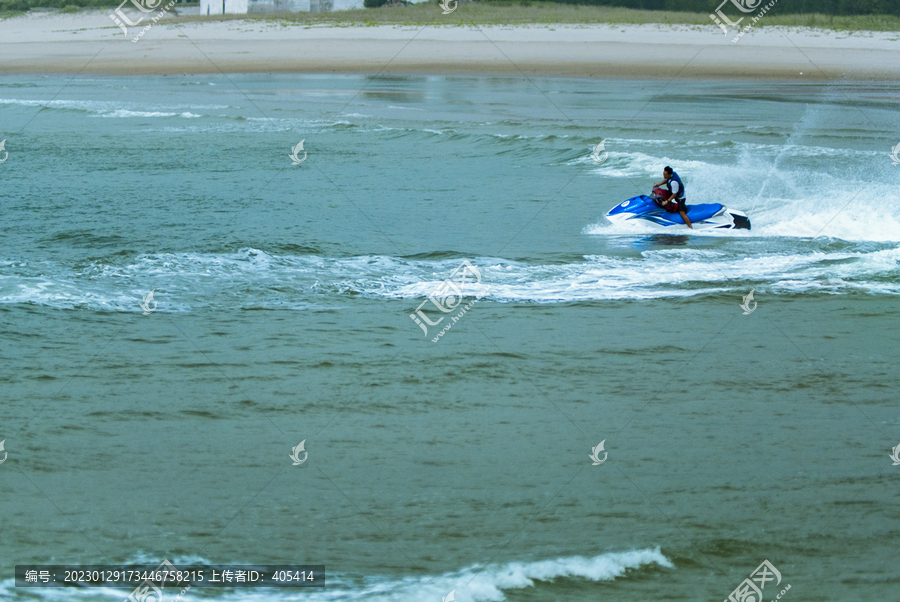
[(712, 216)]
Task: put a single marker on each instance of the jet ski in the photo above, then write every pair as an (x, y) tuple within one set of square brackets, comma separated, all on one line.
[(703, 217)]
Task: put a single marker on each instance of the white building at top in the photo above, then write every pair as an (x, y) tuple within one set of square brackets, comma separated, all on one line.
[(241, 7)]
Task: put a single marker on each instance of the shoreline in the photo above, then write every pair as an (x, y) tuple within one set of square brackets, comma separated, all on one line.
[(89, 43)]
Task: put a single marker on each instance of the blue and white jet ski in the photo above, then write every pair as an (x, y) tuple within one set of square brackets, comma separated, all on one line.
[(711, 216)]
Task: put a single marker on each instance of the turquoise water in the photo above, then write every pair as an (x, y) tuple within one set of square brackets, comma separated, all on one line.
[(281, 305)]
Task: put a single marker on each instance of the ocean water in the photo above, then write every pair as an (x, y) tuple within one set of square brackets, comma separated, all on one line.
[(282, 297)]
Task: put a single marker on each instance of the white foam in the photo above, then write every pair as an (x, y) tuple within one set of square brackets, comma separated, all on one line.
[(255, 278), (110, 108), (473, 584), (119, 113)]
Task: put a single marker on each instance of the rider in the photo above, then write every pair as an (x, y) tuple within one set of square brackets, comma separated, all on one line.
[(675, 190)]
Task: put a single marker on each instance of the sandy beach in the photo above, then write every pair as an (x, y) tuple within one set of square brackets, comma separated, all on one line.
[(90, 43)]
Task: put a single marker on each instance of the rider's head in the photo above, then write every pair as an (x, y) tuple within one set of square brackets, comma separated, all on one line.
[(667, 172)]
